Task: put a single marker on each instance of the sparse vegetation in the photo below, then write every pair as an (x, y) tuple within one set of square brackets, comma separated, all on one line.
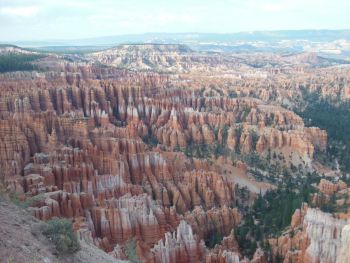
[(30, 201), (130, 251), (60, 232), (255, 138), (150, 139), (232, 94), (270, 214), (198, 150), (213, 239)]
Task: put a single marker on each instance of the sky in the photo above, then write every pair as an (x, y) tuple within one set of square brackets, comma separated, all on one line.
[(75, 19)]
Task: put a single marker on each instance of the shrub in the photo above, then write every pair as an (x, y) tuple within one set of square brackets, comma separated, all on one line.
[(32, 201), (28, 202), (213, 239), (130, 251), (60, 232), (151, 139)]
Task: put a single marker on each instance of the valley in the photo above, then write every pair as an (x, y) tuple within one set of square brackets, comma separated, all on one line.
[(167, 153)]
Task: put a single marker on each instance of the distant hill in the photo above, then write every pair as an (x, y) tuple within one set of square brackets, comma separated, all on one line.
[(179, 58), (310, 35), (144, 57), (6, 49), (195, 38)]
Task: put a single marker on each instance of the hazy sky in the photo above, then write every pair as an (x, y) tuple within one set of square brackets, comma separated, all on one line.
[(71, 19)]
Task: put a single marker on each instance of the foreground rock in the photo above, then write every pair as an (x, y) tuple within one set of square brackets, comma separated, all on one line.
[(22, 241)]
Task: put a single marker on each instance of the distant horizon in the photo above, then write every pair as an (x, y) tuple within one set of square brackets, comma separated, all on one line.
[(179, 33), (65, 42), (32, 20)]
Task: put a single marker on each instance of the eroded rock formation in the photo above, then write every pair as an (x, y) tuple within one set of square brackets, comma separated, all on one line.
[(316, 237), (111, 150)]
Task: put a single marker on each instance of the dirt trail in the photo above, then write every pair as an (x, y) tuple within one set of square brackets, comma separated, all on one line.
[(241, 177)]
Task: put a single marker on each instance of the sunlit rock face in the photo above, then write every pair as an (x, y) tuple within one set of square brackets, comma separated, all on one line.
[(79, 148), (329, 188), (318, 237), (180, 246), (159, 57), (325, 234), (105, 147), (344, 253)]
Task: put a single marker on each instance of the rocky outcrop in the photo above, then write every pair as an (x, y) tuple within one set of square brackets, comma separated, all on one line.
[(226, 251), (324, 233), (343, 255), (294, 140), (131, 217), (329, 188), (158, 57), (218, 221), (181, 246), (316, 237), (223, 257), (317, 137)]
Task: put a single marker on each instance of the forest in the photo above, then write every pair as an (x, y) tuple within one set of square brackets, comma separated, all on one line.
[(334, 117), (272, 213), (18, 62)]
